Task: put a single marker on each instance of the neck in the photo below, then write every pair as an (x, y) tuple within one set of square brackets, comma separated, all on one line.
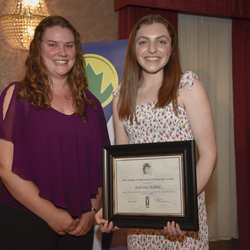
[(151, 80), (148, 88), (60, 87)]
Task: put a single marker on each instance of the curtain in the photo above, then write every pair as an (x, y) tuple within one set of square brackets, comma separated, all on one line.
[(241, 90), (229, 8), (130, 15), (205, 48)]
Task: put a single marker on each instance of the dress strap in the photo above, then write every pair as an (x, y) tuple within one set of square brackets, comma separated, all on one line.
[(187, 79), (117, 91)]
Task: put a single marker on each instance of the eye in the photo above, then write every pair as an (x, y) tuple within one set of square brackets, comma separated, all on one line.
[(142, 42), (70, 46), (162, 42), (52, 45)]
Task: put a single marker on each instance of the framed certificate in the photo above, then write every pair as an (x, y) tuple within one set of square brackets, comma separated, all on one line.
[(147, 185)]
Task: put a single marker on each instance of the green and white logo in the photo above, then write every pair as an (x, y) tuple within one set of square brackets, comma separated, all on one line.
[(102, 77)]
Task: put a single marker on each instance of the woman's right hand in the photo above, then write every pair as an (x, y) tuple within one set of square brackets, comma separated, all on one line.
[(62, 222), (174, 229), (104, 225)]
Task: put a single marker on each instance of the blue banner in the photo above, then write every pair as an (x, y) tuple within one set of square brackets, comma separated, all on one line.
[(104, 67)]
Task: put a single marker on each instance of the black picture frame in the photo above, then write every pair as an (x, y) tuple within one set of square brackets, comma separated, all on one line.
[(184, 151)]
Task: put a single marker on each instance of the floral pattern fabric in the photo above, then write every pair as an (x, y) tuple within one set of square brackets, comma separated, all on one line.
[(160, 125)]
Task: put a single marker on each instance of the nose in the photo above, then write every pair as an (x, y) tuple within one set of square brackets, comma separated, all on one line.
[(62, 51), (152, 47)]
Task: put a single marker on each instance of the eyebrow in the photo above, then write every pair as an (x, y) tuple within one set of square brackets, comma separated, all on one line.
[(49, 41), (159, 37)]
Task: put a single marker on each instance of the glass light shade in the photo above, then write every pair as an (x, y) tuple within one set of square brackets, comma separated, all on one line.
[(20, 24)]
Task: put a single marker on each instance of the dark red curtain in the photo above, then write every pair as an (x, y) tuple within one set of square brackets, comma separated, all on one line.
[(130, 15), (229, 8), (241, 94)]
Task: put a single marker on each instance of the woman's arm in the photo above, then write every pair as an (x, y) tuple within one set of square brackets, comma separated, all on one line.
[(200, 117), (96, 203), (86, 222), (26, 192), (201, 121), (121, 136)]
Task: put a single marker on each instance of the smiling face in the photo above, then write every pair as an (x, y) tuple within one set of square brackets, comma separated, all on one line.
[(58, 51), (153, 48)]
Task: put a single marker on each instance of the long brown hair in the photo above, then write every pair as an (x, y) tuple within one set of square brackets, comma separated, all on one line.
[(132, 73), (35, 85)]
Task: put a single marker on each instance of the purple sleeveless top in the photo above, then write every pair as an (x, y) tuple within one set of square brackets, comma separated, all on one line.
[(58, 152)]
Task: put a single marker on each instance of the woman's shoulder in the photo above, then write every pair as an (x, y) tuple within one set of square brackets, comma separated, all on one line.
[(117, 91), (11, 87), (92, 97), (187, 79), (8, 92), (8, 100)]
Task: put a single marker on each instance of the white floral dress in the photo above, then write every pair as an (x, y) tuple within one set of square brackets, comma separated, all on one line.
[(160, 125)]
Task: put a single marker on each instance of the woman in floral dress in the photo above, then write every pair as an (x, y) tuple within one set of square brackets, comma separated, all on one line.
[(156, 102)]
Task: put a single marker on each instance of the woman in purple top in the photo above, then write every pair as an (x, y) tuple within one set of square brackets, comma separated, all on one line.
[(52, 130)]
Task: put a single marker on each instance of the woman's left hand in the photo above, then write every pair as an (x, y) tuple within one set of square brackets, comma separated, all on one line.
[(86, 222), (174, 229)]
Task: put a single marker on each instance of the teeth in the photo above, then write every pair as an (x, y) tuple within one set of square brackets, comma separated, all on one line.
[(60, 62), (152, 58)]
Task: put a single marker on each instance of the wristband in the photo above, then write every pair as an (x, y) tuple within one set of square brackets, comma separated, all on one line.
[(95, 210)]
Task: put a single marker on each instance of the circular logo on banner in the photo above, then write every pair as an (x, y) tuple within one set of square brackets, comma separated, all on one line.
[(102, 77)]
